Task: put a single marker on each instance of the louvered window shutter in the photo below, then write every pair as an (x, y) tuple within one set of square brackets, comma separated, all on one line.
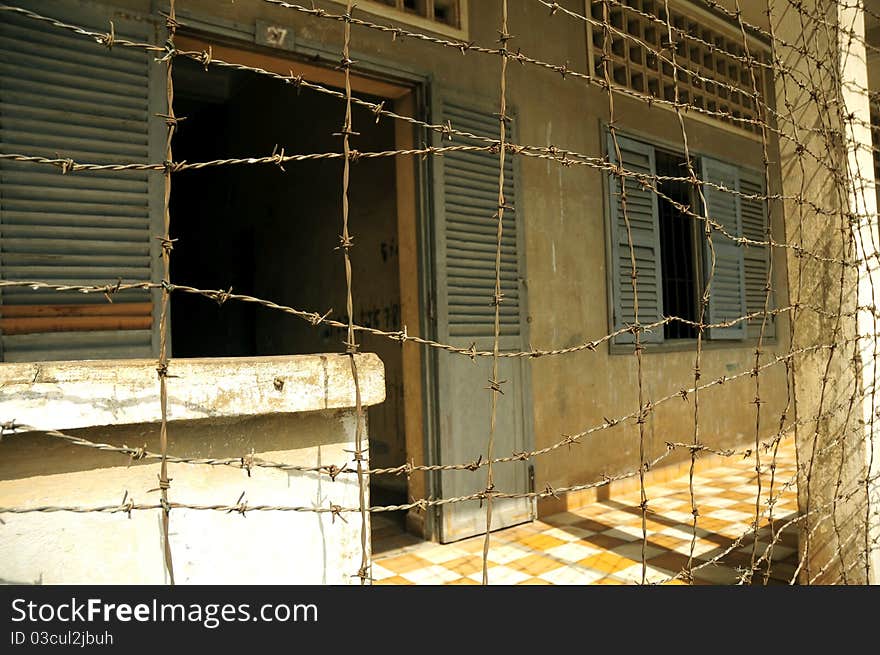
[(727, 300), (644, 230), (470, 181), (756, 259), (63, 95)]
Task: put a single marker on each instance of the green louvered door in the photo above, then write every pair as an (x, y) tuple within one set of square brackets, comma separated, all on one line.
[(64, 95), (466, 198)]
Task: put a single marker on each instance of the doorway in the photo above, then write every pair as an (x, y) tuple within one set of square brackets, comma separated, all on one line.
[(272, 232)]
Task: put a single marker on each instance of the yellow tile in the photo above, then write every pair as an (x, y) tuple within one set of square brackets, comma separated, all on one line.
[(667, 541), (591, 511), (464, 581), (535, 581), (473, 545), (655, 526), (606, 562), (748, 507), (521, 532), (541, 542), (713, 525), (467, 565), (396, 580), (535, 564), (403, 563), (608, 580)]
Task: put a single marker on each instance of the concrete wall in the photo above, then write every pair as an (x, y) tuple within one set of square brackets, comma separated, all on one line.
[(565, 225), (309, 421), (828, 384), (565, 228)]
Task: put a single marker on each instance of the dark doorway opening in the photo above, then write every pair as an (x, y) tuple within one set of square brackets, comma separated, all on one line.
[(273, 234)]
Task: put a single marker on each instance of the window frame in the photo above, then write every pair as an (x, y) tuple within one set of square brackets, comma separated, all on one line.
[(667, 345), (382, 10)]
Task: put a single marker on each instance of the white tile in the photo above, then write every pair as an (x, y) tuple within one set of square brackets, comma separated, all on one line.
[(441, 554), (501, 575), (434, 574), (708, 491), (683, 532), (571, 552), (736, 530), (785, 509), (722, 502), (507, 553), (703, 548), (633, 574), (677, 532), (666, 503), (732, 515), (710, 553), (615, 517), (680, 516), (572, 575), (632, 532), (380, 573)]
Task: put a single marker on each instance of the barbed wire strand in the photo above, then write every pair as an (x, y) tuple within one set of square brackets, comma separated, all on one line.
[(167, 244), (351, 346), (495, 383)]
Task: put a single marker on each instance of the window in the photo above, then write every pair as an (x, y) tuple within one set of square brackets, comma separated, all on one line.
[(672, 254), (678, 239), (444, 16), (712, 75)]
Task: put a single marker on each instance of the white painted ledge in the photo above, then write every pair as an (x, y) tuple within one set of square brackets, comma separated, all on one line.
[(78, 394)]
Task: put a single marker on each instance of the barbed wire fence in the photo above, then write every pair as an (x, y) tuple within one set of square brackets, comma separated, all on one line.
[(830, 241)]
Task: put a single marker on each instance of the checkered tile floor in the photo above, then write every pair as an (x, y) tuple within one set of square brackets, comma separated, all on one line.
[(602, 543)]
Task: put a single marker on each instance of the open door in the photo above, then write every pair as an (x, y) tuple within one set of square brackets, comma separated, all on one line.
[(465, 203)]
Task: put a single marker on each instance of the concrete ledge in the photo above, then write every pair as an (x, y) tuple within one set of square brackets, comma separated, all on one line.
[(77, 394)]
